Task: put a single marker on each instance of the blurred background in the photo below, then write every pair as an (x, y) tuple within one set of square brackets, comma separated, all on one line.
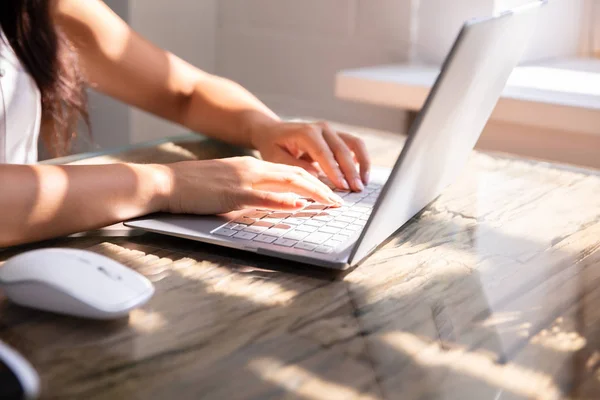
[(301, 59)]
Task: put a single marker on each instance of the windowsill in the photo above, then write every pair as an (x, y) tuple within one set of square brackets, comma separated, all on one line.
[(559, 94)]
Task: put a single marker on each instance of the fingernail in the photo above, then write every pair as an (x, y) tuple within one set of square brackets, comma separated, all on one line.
[(334, 198), (344, 184), (301, 203), (359, 184)]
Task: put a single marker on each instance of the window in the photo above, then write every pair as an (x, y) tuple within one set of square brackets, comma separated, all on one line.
[(563, 29)]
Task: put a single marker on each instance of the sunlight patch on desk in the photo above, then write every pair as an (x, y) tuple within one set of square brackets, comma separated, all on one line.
[(269, 293), (153, 267), (226, 283), (302, 383), (146, 321), (558, 338), (501, 318), (514, 378)]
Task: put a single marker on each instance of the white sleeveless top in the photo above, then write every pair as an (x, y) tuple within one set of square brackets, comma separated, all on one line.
[(20, 110)]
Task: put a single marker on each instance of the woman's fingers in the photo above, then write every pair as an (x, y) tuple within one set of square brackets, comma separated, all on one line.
[(297, 184), (344, 157), (305, 174), (361, 154), (285, 158), (251, 198), (319, 150)]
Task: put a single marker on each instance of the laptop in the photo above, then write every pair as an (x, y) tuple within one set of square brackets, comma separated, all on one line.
[(443, 135)]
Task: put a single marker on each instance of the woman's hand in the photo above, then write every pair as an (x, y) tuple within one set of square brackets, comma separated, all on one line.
[(220, 186), (313, 146)]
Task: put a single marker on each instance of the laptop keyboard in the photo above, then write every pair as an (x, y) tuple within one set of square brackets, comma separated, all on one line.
[(316, 228)]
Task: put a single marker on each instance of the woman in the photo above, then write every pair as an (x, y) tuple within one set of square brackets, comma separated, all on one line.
[(51, 49)]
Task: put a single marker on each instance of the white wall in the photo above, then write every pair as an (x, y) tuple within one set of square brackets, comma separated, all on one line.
[(110, 119), (188, 29), (288, 51)]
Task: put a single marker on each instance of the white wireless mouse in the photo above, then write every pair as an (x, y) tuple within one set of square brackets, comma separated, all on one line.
[(74, 282)]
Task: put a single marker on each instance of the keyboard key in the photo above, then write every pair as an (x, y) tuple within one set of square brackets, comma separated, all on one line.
[(341, 193), (278, 230), (368, 202), (324, 249), (306, 246), (235, 227), (225, 232), (245, 221), (361, 209), (296, 235), (329, 229), (256, 215), (255, 229), (337, 224), (265, 239), (307, 228), (360, 222), (285, 242), (363, 218), (354, 197), (341, 237), (325, 218), (332, 243), (335, 213), (244, 235), (305, 214), (346, 219), (353, 214), (279, 215), (294, 221), (316, 207), (265, 224), (354, 227), (273, 221), (258, 227), (318, 237), (314, 222)]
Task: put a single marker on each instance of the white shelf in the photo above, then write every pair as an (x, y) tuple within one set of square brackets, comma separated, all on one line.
[(559, 94)]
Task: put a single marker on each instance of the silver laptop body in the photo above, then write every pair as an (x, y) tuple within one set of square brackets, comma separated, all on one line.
[(437, 149)]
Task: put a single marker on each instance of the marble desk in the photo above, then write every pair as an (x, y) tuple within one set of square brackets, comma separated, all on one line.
[(493, 292)]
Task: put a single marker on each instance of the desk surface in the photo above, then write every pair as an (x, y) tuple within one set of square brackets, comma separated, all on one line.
[(492, 293)]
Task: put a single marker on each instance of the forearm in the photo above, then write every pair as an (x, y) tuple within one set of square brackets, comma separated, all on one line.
[(41, 202), (225, 110)]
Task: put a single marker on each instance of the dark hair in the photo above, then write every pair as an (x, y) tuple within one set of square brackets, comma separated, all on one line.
[(52, 62)]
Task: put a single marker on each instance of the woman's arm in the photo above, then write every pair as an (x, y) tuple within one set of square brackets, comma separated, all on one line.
[(120, 63), (42, 201)]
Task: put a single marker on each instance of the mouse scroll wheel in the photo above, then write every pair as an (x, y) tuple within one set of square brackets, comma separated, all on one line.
[(111, 275)]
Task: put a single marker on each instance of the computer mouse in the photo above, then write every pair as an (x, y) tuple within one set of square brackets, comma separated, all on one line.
[(74, 282), (18, 379)]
